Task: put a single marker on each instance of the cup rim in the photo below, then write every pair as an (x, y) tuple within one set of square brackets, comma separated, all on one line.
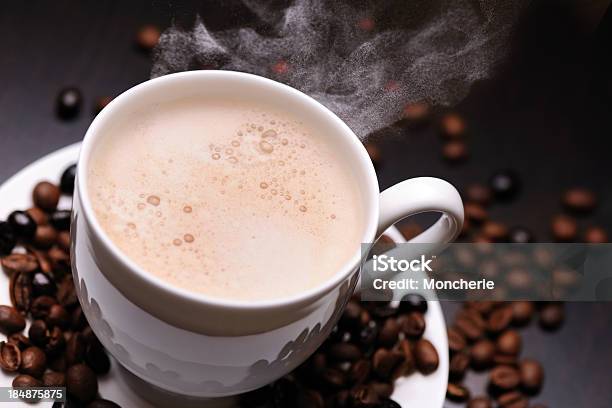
[(371, 207)]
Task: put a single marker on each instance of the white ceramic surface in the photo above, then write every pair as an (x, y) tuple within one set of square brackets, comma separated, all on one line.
[(416, 390)]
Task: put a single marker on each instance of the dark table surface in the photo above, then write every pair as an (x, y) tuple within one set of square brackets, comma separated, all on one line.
[(546, 113)]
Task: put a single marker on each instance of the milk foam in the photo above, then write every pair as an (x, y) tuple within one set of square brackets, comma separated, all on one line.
[(225, 198)]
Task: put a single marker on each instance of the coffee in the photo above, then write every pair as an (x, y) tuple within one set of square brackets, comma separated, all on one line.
[(226, 198)]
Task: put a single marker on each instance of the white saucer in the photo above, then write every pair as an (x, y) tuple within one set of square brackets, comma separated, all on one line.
[(414, 391)]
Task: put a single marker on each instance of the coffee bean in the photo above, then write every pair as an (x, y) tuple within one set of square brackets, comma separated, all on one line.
[(23, 225), (46, 196), (344, 352), (457, 393), (102, 403), (512, 399), (310, 399), (45, 236), (509, 342), (8, 238), (11, 320), (333, 378), (284, 393), (520, 235), (475, 212), (42, 284), (479, 194), (384, 362), (383, 390), (452, 126), (148, 37), (482, 354), (368, 335), (408, 364), (387, 336), (41, 307), (56, 343), (595, 235), (360, 372), (364, 396), (58, 316), (413, 302), (20, 340), (63, 240), (455, 151), (522, 311), (412, 325), (68, 102), (20, 291), (480, 402), (532, 375), (580, 200), (456, 341), (75, 349), (10, 356), (416, 113), (468, 328), (504, 378), (60, 219), (33, 362), (67, 179), (54, 379), (26, 381), (504, 184), (60, 261), (351, 318), (459, 364), (551, 316), (426, 356), (505, 359), (564, 228), (39, 216), (19, 263), (495, 231), (81, 383), (38, 333), (499, 320), (101, 104)]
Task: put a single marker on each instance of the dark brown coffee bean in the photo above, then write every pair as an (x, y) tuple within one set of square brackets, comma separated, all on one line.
[(495, 231), (499, 319), (67, 179), (479, 194), (456, 341), (384, 362), (20, 291), (512, 399), (66, 294), (459, 364), (504, 378), (81, 383), (383, 390), (455, 151), (284, 392), (41, 307), (102, 403), (522, 312), (10, 356), (564, 228), (46, 196), (413, 302), (8, 238), (505, 359), (509, 342), (480, 402), (333, 378), (475, 212), (63, 240), (452, 126), (532, 375), (426, 356), (596, 235), (360, 372), (457, 393), (579, 200), (310, 399), (39, 216), (54, 379), (42, 285), (551, 316), (68, 102), (60, 219), (407, 366), (23, 225), (33, 362), (344, 352), (412, 325), (374, 152), (11, 320), (56, 343), (482, 353), (58, 316), (96, 358), (387, 336), (88, 335), (38, 333), (475, 316), (364, 397), (20, 340), (45, 236), (505, 184), (468, 328), (58, 363), (77, 319), (351, 318), (60, 261), (148, 37), (26, 381), (416, 113), (75, 349), (19, 263)]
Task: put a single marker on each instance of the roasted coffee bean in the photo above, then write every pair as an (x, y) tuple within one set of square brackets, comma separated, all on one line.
[(54, 379), (26, 381), (374, 152), (551, 316), (475, 212), (482, 353), (416, 113), (413, 302), (38, 333), (412, 325), (473, 316), (63, 240), (426, 356), (382, 389), (41, 307), (20, 291), (310, 399), (351, 318), (10, 356), (504, 184), (495, 231), (148, 37), (479, 194), (580, 200), (19, 263), (521, 235), (499, 320), (33, 362), (101, 104), (67, 179), (452, 126), (58, 316), (20, 340), (384, 362), (88, 335), (60, 219), (344, 352), (468, 328), (360, 371), (504, 378), (455, 151), (46, 196), (81, 383), (75, 349), (532, 375), (482, 307), (43, 285), (522, 312), (58, 363), (408, 364), (459, 364), (368, 335), (509, 342), (68, 102), (364, 396), (505, 359), (595, 235), (56, 343), (11, 320), (66, 295), (456, 341), (333, 378), (102, 403), (45, 236), (513, 399), (387, 336), (8, 238), (39, 216), (23, 225), (564, 228), (480, 402), (77, 319), (60, 261), (284, 393), (457, 393)]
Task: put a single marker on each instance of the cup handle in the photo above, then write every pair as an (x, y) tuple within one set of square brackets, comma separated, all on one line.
[(423, 194)]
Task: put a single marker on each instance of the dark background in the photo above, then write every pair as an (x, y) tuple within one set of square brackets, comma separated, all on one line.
[(546, 114)]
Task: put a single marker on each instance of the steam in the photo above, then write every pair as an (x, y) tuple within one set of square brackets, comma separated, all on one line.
[(365, 60)]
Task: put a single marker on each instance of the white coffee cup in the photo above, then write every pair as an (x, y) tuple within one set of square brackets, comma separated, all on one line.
[(190, 344)]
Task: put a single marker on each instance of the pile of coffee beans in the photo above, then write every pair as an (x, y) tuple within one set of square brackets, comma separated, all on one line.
[(57, 348), (373, 344)]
